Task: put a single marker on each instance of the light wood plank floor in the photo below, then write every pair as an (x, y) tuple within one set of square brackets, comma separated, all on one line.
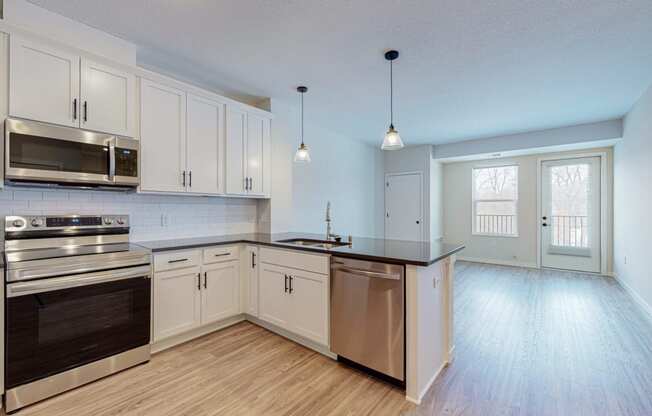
[(527, 343)]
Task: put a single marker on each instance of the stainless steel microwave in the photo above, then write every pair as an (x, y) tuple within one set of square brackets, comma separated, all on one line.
[(40, 153)]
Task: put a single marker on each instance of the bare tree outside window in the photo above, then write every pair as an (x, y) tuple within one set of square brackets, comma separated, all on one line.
[(570, 196), (495, 200)]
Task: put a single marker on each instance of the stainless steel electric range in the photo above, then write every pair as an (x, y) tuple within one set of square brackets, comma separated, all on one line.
[(77, 303)]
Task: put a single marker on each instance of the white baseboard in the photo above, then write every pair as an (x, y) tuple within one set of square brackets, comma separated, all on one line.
[(195, 333), (499, 262), (640, 302), (322, 349), (429, 384)]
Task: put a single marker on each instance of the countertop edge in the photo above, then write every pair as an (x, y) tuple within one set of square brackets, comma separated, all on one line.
[(315, 250)]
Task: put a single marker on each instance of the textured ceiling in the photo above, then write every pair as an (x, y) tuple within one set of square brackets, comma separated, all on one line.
[(468, 68)]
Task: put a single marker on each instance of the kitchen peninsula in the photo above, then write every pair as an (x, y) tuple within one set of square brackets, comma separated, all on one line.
[(255, 268)]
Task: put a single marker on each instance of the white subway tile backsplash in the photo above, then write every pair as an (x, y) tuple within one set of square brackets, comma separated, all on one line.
[(152, 216)]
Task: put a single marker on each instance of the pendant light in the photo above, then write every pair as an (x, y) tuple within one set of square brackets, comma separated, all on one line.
[(392, 139), (302, 155)]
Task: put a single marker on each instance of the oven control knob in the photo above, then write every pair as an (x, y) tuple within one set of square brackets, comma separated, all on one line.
[(108, 221), (121, 221), (18, 223), (36, 222)]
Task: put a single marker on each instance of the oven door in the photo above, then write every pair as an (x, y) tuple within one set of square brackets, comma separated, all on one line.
[(57, 324)]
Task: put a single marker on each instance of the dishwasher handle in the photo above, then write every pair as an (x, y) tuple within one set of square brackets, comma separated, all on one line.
[(369, 273)]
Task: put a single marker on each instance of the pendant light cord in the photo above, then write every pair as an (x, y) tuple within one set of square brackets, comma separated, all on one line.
[(301, 119), (391, 93)]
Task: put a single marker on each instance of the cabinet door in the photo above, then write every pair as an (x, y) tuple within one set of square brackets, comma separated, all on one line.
[(43, 83), (236, 129), (205, 145), (309, 303), (107, 99), (251, 277), (176, 302), (254, 155), (220, 293), (163, 138), (273, 299)]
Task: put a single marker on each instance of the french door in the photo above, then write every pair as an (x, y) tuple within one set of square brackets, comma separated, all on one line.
[(570, 214)]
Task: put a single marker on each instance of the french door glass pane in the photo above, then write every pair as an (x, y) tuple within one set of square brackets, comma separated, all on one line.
[(570, 188)]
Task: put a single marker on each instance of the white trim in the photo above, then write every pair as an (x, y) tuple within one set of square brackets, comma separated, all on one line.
[(196, 333), (421, 207), (499, 262), (638, 300), (322, 349), (429, 384), (605, 207)]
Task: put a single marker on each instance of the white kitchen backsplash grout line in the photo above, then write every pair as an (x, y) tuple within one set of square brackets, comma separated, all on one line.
[(152, 216)]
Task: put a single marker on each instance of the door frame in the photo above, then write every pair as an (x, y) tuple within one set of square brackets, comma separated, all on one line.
[(605, 207), (421, 206)]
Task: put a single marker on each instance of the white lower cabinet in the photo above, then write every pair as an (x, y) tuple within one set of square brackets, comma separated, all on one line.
[(198, 287), (220, 291), (250, 280), (177, 306), (295, 300), (273, 300), (190, 292)]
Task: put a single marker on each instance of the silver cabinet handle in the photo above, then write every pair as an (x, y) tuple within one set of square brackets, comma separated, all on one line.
[(85, 111), (74, 109), (368, 273), (67, 282), (222, 254), (291, 288), (205, 280), (198, 281), (176, 261), (183, 182), (190, 179), (112, 159)]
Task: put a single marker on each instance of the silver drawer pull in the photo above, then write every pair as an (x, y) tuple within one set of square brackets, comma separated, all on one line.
[(368, 273), (222, 254), (177, 261)]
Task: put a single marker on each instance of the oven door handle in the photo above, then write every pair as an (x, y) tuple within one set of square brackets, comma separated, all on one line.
[(78, 280)]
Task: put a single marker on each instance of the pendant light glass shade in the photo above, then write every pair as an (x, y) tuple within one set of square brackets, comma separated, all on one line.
[(392, 140), (302, 155)]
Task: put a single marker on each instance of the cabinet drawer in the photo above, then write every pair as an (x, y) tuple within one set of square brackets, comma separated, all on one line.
[(221, 253), (294, 259), (176, 260)]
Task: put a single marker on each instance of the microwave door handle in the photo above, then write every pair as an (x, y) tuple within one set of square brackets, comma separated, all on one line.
[(68, 282), (112, 159)]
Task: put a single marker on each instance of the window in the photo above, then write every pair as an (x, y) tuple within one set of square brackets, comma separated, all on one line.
[(495, 201)]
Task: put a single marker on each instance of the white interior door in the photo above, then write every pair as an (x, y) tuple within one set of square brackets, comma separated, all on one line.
[(570, 214), (404, 207)]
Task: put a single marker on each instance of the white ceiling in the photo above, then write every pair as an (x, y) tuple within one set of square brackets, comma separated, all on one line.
[(468, 68)]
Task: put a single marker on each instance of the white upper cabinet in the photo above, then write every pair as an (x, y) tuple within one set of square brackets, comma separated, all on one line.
[(205, 145), (236, 137), (43, 83), (54, 86), (107, 99), (163, 138), (248, 137)]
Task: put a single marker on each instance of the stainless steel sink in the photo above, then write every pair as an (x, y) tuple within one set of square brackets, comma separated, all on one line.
[(327, 244)]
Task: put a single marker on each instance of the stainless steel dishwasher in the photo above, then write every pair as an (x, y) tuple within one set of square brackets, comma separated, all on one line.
[(368, 314)]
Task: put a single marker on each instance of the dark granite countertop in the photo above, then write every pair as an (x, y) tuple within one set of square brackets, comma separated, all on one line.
[(373, 249)]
